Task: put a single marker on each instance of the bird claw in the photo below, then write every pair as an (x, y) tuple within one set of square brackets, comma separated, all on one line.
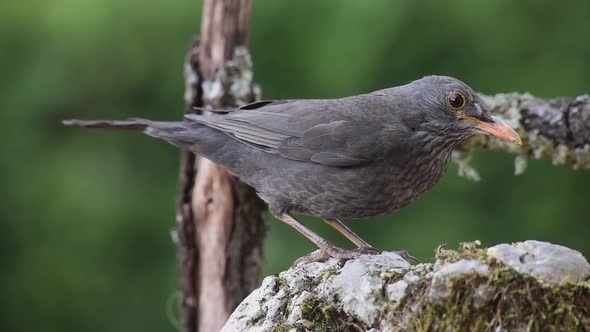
[(331, 251), (314, 256), (368, 251)]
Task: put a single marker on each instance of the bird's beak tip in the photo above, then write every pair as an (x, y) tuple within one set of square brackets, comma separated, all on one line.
[(501, 130), (498, 128)]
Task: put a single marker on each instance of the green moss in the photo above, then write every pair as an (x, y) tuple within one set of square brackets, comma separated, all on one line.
[(309, 283), (467, 250), (511, 300), (379, 294), (282, 282), (326, 273), (320, 314), (283, 328), (325, 318), (518, 301), (390, 276)]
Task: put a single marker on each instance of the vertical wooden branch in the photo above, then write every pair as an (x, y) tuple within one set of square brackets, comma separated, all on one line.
[(220, 225)]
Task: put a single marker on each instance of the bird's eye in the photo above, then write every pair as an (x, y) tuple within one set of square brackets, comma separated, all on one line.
[(456, 100)]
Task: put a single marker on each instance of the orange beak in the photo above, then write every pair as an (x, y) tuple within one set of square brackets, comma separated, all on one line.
[(498, 129)]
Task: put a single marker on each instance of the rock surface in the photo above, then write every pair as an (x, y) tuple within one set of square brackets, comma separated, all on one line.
[(509, 287), (550, 262)]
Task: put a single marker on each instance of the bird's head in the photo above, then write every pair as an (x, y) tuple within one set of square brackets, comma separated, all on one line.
[(452, 108)]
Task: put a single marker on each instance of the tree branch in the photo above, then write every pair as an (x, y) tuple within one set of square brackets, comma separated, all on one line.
[(220, 227), (556, 129)]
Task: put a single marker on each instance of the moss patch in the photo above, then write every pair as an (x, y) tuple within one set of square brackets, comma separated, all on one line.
[(283, 328), (519, 302), (516, 301), (326, 274), (467, 250), (476, 301), (322, 317)]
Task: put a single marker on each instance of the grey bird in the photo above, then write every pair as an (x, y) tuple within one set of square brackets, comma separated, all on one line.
[(347, 158)]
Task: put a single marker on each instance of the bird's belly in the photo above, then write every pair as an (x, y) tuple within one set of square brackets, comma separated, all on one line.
[(345, 193), (368, 194)]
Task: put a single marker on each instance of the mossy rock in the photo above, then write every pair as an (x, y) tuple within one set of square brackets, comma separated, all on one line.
[(530, 286)]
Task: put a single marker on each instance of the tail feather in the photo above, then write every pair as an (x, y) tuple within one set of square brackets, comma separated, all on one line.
[(131, 124), (196, 137), (176, 133), (179, 136)]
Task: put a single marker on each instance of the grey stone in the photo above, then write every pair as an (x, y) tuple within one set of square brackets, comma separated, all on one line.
[(441, 280), (364, 292), (550, 262)]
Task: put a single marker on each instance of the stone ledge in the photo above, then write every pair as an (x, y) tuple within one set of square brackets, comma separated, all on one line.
[(524, 286)]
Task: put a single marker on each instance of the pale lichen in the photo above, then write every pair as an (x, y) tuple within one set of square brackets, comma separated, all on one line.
[(555, 129), (235, 78), (463, 159), (192, 80), (520, 164)]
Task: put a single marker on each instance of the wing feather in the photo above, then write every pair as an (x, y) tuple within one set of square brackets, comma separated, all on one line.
[(315, 131)]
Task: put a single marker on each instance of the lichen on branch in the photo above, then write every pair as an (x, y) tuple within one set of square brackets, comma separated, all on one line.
[(233, 80), (556, 129)]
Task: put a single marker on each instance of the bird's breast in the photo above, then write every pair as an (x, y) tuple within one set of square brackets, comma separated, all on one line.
[(388, 186), (351, 192)]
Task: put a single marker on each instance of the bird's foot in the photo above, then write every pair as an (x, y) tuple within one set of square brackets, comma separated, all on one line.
[(407, 257), (332, 251)]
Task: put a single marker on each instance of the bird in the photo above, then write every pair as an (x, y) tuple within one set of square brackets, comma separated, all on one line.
[(337, 159)]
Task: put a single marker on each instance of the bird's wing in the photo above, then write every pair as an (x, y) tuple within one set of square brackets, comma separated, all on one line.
[(306, 130)]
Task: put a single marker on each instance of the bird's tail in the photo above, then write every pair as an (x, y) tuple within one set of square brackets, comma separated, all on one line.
[(177, 133), (188, 135), (131, 124)]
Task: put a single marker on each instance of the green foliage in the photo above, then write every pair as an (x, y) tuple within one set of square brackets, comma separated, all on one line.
[(86, 215)]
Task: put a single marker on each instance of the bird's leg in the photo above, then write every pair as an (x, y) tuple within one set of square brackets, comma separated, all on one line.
[(363, 246), (327, 249), (349, 234)]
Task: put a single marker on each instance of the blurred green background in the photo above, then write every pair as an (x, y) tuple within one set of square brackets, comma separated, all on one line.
[(86, 215)]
